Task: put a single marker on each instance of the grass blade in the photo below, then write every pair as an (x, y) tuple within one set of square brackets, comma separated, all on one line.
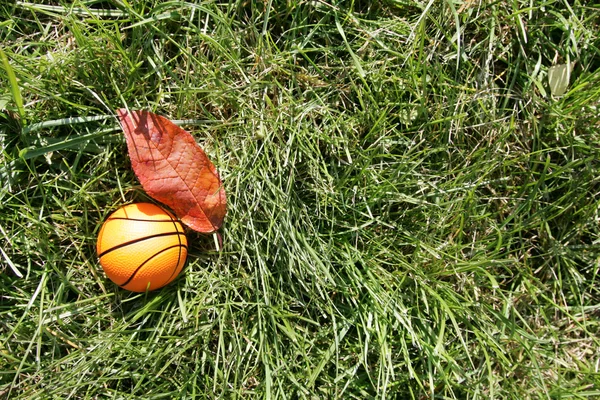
[(14, 86)]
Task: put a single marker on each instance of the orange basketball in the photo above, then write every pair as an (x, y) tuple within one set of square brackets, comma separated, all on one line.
[(142, 247)]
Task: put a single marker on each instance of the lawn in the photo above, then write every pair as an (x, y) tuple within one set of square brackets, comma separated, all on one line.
[(413, 197)]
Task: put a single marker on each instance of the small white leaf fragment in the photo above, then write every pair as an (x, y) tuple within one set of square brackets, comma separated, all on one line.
[(558, 78)]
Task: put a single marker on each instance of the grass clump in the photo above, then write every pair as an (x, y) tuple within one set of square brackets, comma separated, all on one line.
[(412, 213)]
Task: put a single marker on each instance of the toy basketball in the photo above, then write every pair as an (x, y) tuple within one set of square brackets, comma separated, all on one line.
[(142, 247)]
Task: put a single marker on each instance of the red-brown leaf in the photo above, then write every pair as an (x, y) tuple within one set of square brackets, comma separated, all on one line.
[(174, 170)]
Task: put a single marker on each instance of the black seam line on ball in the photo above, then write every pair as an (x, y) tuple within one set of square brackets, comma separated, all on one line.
[(144, 263), (178, 255), (143, 220), (139, 240)]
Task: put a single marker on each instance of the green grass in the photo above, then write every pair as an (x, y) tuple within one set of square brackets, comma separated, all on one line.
[(411, 212)]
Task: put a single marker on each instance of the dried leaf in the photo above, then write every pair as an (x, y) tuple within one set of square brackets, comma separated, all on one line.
[(174, 170), (559, 77)]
